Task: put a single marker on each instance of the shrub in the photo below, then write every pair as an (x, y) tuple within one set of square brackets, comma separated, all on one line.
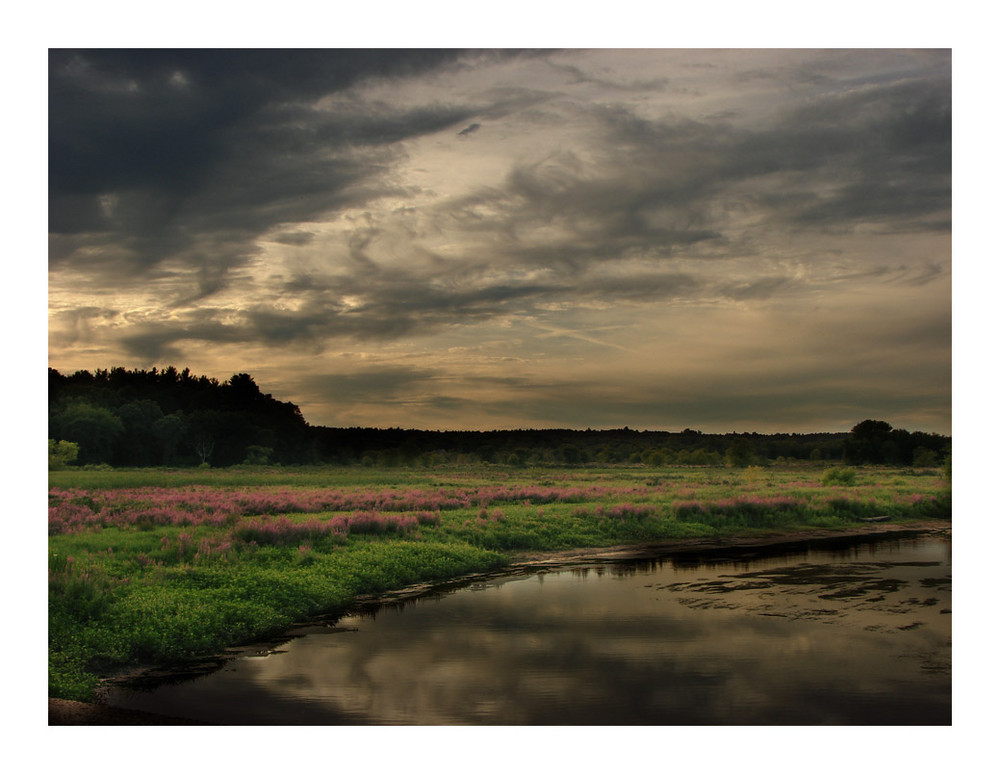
[(62, 453), (839, 477), (740, 454), (258, 455)]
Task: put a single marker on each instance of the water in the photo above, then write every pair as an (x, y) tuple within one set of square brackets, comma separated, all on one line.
[(855, 636)]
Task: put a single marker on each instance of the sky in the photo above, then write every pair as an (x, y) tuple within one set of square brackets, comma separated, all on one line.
[(721, 239)]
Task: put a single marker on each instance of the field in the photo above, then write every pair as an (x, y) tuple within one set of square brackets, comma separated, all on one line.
[(152, 566)]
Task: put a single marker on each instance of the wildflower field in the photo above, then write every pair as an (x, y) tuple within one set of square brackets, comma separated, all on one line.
[(152, 566)]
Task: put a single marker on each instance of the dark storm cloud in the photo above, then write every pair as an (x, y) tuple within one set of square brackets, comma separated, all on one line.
[(886, 151), (158, 342), (294, 238), (123, 119), (880, 157), (193, 154), (889, 149)]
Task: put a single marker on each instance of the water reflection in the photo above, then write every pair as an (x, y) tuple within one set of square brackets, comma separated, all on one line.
[(858, 636)]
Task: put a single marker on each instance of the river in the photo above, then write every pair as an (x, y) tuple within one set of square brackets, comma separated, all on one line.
[(849, 636)]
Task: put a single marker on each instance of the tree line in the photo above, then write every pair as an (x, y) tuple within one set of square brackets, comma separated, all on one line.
[(140, 418)]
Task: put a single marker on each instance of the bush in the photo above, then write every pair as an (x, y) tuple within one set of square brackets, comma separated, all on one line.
[(258, 455), (62, 454), (839, 477)]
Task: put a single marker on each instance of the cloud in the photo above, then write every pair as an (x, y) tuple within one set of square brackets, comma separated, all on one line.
[(388, 381), (192, 155), (378, 387), (145, 171), (296, 238), (578, 76), (304, 203)]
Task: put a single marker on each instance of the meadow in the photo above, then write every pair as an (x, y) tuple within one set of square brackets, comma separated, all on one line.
[(155, 566)]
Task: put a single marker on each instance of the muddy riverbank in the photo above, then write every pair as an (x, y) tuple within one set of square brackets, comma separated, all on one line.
[(755, 542), (63, 712)]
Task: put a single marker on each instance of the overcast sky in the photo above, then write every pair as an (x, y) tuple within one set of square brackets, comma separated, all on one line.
[(716, 239)]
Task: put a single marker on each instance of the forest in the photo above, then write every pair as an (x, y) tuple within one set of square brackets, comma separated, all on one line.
[(164, 417)]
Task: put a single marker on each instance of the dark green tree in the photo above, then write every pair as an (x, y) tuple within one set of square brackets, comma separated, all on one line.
[(95, 429), (570, 454), (169, 431), (139, 445), (740, 453), (257, 455), (869, 442)]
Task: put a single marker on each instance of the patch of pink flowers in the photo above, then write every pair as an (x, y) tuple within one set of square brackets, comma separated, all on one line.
[(627, 511), (72, 510)]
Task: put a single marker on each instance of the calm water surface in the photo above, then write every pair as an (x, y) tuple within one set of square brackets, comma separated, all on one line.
[(856, 636)]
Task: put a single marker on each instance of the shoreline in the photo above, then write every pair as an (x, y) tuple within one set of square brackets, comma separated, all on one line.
[(776, 540), (67, 712)]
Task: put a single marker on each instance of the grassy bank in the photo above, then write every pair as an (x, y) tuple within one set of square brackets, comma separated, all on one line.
[(154, 566)]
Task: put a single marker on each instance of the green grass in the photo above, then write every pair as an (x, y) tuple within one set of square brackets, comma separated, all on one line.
[(131, 585)]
